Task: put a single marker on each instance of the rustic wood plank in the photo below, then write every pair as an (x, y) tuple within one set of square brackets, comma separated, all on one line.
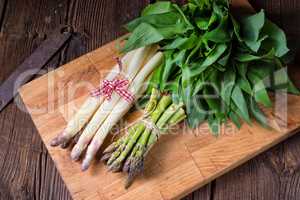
[(3, 5), (27, 171), (36, 175)]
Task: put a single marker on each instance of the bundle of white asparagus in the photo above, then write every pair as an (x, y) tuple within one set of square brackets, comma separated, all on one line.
[(97, 116)]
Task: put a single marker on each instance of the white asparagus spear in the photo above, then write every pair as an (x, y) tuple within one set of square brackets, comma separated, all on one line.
[(89, 107), (120, 110), (140, 57)]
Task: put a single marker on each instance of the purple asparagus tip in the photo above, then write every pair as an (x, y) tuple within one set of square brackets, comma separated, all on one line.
[(75, 154), (85, 164), (55, 142)]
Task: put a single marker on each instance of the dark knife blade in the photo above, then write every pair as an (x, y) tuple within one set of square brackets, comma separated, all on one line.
[(35, 62)]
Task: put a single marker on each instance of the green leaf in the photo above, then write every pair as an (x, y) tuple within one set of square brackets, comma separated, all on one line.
[(235, 119), (155, 80), (190, 26), (242, 69), (219, 34), (246, 57), (157, 8), (210, 59), (214, 125), (281, 81), (251, 27), (228, 84), (214, 55), (258, 114), (182, 43), (167, 24), (157, 20), (236, 28), (239, 100), (224, 60), (199, 85), (143, 35), (260, 92), (196, 113), (212, 99), (276, 39), (255, 45), (244, 85), (204, 23)]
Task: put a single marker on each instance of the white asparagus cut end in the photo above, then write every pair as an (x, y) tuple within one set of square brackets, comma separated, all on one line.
[(89, 107), (120, 109), (139, 58)]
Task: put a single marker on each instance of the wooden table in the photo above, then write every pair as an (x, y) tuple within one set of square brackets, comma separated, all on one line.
[(27, 171)]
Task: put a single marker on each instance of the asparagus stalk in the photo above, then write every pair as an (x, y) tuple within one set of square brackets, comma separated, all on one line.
[(130, 157), (120, 109), (151, 105), (116, 146), (88, 108), (135, 164), (104, 110), (154, 116)]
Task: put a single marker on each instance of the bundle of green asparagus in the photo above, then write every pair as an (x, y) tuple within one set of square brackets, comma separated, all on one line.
[(128, 152)]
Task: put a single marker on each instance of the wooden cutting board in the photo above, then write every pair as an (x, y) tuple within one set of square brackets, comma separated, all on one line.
[(178, 164)]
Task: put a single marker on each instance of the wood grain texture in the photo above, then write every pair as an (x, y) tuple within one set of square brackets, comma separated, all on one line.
[(26, 168), (183, 162), (27, 171), (35, 177)]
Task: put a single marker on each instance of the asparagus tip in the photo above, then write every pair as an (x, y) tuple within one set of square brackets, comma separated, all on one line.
[(85, 164), (114, 167), (75, 154), (110, 148), (105, 157), (128, 182), (55, 141), (65, 145)]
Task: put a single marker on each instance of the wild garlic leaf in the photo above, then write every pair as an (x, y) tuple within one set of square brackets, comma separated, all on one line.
[(174, 61), (236, 28), (235, 119), (226, 56), (156, 79), (158, 20), (214, 125), (251, 28), (210, 59), (184, 17), (255, 45), (247, 57), (220, 34), (199, 85), (158, 8), (276, 39), (281, 81), (196, 112), (228, 84), (257, 113), (182, 43), (212, 99), (215, 54), (244, 85), (240, 102), (259, 90), (143, 35), (204, 23), (242, 69)]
